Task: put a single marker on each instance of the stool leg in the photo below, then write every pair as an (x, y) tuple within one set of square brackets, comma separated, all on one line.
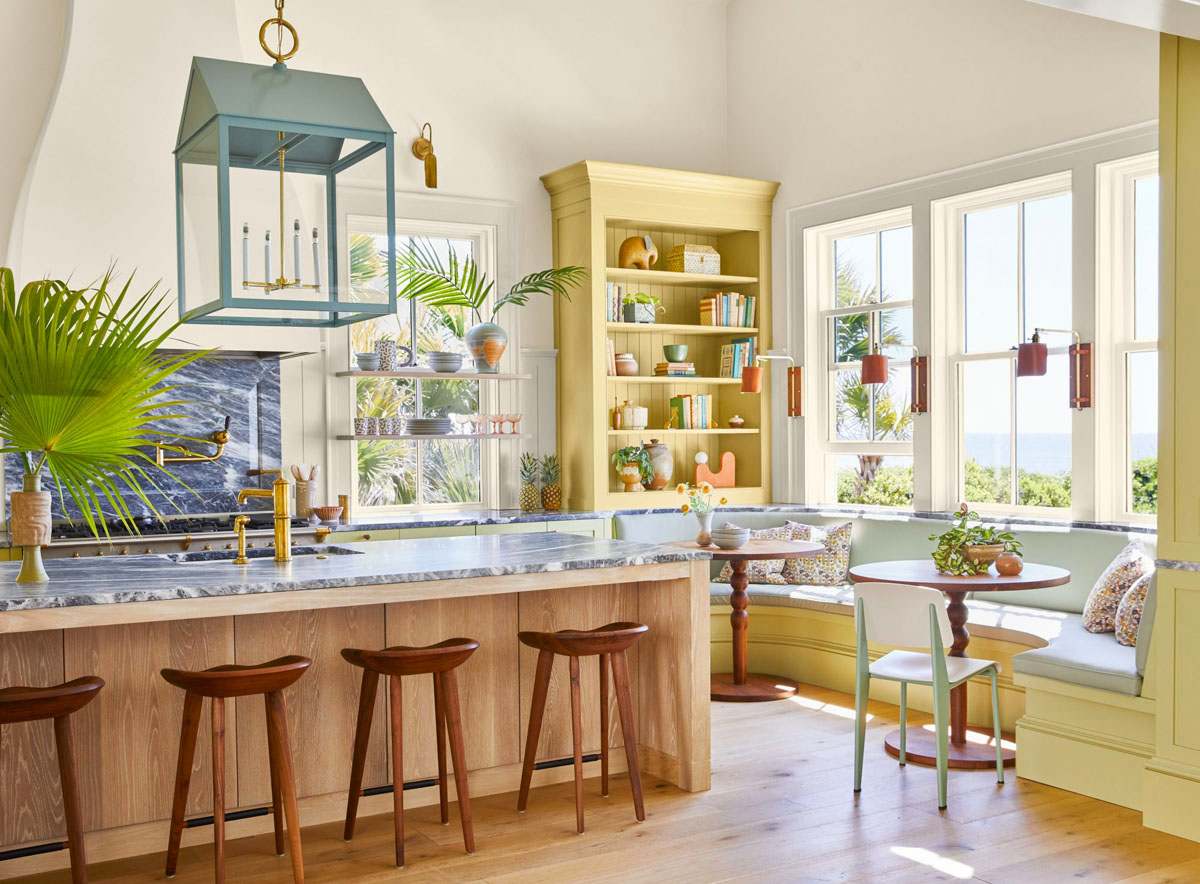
[(64, 739), (277, 731), (183, 775), (459, 755), (439, 714), (604, 725), (620, 667), (577, 741), (541, 685), (218, 775), (397, 712), (276, 804), (362, 736)]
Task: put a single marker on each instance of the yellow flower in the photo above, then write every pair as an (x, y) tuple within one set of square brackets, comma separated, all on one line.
[(684, 508), (681, 488), (705, 488), (724, 500)]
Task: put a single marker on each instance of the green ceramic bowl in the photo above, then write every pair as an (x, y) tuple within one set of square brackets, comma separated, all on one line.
[(675, 352)]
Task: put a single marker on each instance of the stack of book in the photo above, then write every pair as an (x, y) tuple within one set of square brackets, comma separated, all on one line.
[(736, 355), (675, 370), (614, 292), (692, 411), (612, 358), (728, 309)]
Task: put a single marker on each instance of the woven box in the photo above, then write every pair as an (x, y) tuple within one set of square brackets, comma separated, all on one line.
[(693, 259)]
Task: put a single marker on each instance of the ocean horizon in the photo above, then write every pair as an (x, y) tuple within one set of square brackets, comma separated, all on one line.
[(1040, 452)]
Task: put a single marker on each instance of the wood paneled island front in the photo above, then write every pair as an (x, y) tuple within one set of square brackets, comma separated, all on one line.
[(126, 618)]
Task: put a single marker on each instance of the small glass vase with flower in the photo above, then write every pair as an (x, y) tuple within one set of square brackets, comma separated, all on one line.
[(700, 502)]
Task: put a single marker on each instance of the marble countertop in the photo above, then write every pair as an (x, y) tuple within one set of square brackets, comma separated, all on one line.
[(160, 577), (448, 518)]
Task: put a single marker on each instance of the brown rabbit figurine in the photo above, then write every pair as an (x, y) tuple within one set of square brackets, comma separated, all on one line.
[(637, 253)]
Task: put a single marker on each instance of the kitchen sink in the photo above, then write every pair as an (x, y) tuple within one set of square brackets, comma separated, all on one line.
[(259, 552)]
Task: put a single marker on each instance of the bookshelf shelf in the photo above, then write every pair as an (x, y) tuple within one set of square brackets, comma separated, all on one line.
[(597, 206), (666, 277)]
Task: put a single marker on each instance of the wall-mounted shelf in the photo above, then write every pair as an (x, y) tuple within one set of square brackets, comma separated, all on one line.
[(352, 436), (666, 277), (427, 375), (651, 431), (673, 328), (644, 379)]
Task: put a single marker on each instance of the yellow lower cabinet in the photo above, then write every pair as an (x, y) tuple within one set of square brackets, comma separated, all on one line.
[(511, 528), (363, 536), (583, 527), (442, 531)]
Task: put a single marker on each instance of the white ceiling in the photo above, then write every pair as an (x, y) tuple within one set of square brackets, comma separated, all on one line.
[(1180, 17)]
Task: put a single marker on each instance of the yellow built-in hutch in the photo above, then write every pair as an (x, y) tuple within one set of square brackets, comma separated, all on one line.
[(595, 206)]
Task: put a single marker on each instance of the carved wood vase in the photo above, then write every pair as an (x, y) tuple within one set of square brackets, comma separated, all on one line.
[(31, 528)]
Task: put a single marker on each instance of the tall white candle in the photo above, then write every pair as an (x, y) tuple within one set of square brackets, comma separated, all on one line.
[(296, 248), (267, 257), (316, 260), (245, 253)]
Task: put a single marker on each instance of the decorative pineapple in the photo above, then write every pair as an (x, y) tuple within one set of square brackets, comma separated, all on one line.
[(530, 469), (551, 490)]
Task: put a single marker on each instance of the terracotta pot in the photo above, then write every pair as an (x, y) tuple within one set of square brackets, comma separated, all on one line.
[(626, 365), (631, 476), (662, 461), (486, 341), (983, 553), (1009, 564)]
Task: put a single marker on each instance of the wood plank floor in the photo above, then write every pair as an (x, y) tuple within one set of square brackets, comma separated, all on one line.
[(781, 810)]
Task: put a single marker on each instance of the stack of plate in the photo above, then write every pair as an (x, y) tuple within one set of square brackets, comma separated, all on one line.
[(730, 537), (445, 362), (428, 426)]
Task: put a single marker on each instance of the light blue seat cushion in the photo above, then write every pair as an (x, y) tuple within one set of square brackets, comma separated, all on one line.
[(1093, 660)]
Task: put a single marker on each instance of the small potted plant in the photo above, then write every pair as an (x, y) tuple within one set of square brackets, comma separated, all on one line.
[(968, 550), (641, 307), (633, 467), (699, 501)]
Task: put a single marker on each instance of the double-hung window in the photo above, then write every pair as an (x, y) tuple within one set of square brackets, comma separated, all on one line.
[(395, 473), (1010, 250), (862, 271)]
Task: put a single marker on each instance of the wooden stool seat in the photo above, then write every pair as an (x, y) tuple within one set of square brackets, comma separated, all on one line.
[(24, 704), (219, 684), (609, 643), (439, 660)]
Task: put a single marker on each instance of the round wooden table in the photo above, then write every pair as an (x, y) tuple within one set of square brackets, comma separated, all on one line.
[(921, 743), (741, 686)]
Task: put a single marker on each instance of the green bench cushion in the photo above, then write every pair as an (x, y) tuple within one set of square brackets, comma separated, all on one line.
[(1093, 660)]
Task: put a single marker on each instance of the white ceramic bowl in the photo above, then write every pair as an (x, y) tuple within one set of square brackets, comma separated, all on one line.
[(445, 362), (729, 541)]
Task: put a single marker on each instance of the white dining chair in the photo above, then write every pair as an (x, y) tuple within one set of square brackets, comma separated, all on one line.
[(913, 617)]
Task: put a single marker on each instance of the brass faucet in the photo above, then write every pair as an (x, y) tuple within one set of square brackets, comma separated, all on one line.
[(283, 515), (239, 525)]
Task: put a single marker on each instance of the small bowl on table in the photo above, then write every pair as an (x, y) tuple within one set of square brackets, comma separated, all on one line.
[(327, 513), (445, 363), (730, 538)]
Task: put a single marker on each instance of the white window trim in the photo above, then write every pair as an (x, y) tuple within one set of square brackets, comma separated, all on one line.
[(799, 471), (1115, 203)]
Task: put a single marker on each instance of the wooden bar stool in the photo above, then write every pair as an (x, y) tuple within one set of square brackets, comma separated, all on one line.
[(22, 704), (610, 643), (219, 684), (440, 661)]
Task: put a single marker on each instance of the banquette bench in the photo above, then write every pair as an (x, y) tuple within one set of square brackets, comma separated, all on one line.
[(1079, 703)]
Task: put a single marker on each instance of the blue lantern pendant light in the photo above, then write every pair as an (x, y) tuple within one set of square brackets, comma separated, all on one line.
[(242, 123)]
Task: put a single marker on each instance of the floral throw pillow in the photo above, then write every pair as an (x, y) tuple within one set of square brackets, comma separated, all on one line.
[(762, 572), (824, 569), (1131, 564), (1129, 612)]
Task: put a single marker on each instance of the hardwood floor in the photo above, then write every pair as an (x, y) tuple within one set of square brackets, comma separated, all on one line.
[(781, 809)]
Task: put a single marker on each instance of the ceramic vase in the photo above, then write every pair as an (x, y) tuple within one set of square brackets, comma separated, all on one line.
[(304, 502), (704, 538), (486, 341), (31, 528), (631, 476), (1009, 564), (662, 462)]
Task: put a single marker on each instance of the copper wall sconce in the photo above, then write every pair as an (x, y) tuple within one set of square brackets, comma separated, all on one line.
[(875, 371), (752, 382), (1031, 362)]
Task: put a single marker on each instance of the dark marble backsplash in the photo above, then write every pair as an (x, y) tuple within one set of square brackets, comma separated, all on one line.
[(245, 389)]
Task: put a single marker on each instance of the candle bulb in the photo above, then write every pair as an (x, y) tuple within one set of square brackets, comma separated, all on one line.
[(296, 248), (267, 258), (316, 260), (245, 253)]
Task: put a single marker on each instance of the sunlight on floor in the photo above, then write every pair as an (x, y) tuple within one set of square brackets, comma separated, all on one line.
[(979, 738), (936, 861), (822, 706)]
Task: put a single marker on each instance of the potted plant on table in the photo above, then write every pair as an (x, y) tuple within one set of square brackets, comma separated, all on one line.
[(641, 307), (633, 467), (700, 502), (81, 382), (459, 282), (968, 550)]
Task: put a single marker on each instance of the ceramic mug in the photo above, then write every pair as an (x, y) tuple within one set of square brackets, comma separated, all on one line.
[(361, 426), (387, 355)]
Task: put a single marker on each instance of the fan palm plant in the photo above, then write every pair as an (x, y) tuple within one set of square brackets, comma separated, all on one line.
[(81, 384)]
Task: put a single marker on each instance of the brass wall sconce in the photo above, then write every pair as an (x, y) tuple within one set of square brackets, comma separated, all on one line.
[(752, 382), (1031, 362), (875, 371), (422, 149), (219, 438)]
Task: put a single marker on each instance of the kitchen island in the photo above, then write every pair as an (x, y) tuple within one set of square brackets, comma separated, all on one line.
[(126, 618)]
